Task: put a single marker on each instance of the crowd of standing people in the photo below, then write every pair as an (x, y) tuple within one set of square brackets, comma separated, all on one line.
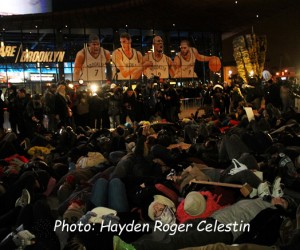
[(113, 105)]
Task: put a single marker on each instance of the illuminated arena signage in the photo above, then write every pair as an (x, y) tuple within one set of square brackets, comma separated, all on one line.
[(31, 56)]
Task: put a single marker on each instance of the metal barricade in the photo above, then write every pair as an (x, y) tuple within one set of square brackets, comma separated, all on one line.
[(187, 103)]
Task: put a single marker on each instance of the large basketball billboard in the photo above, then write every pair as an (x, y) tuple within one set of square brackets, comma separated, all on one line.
[(21, 7)]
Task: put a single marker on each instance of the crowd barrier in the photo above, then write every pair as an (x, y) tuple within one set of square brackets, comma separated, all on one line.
[(187, 103)]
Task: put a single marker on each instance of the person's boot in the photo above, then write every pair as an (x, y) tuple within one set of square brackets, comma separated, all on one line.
[(277, 187), (263, 189)]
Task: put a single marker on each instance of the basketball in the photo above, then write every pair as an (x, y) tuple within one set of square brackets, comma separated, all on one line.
[(214, 64)]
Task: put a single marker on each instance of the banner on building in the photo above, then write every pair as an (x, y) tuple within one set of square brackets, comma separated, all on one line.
[(16, 54)]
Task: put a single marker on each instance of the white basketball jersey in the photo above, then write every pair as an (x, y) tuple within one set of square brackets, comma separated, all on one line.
[(93, 69), (129, 63), (187, 67), (160, 68)]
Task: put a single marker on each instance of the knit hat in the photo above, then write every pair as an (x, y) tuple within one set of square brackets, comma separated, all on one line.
[(72, 215), (194, 203), (162, 200)]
